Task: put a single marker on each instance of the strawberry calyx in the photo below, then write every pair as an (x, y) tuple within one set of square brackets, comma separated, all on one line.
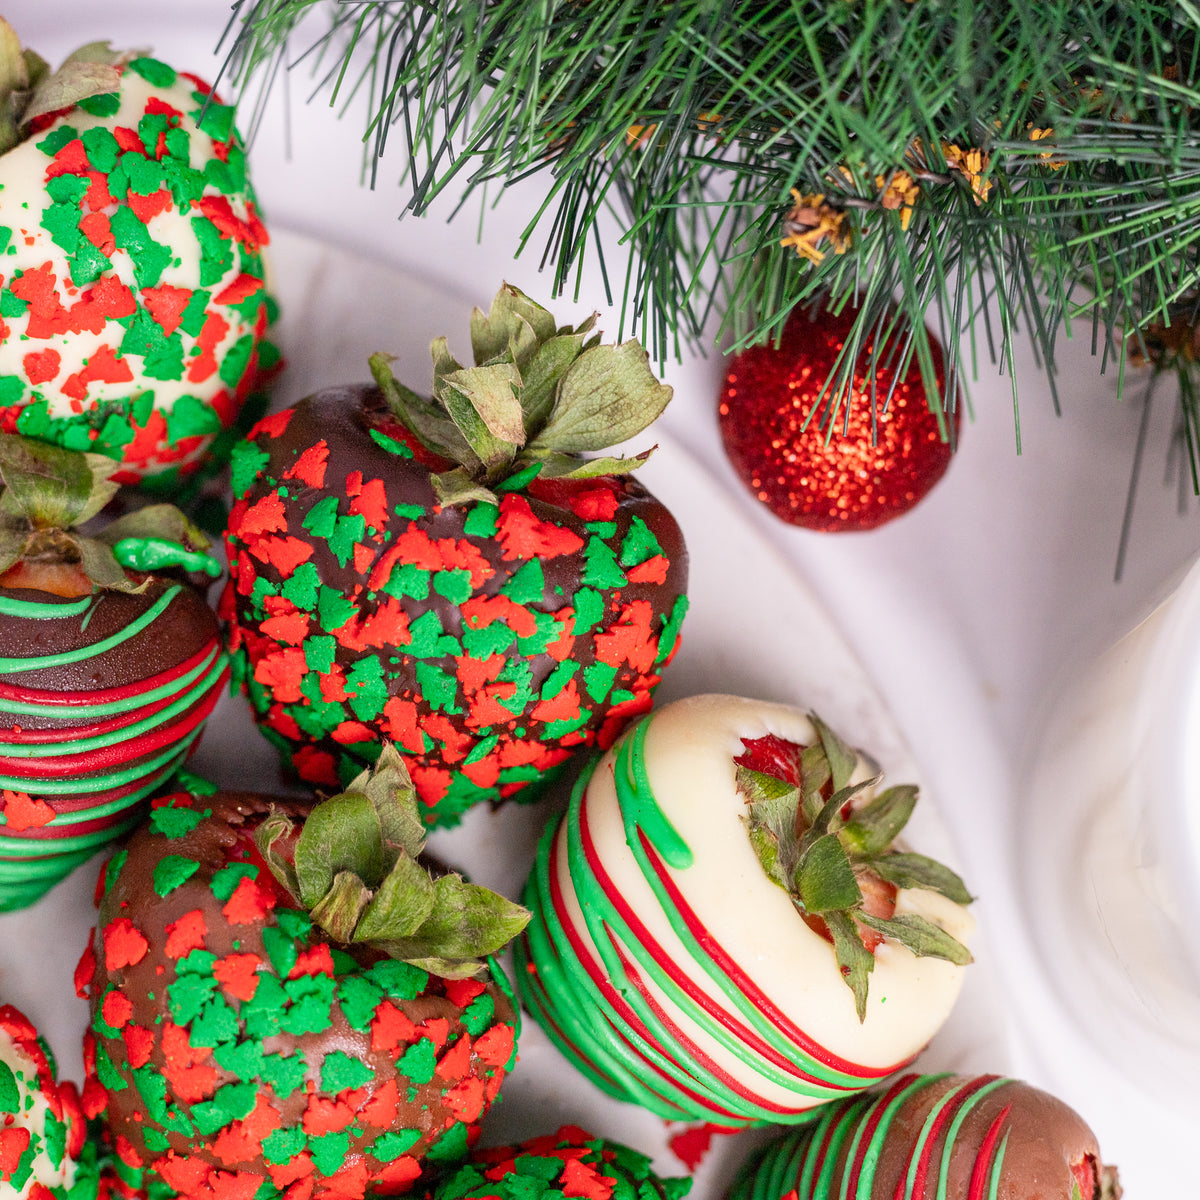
[(47, 493), (538, 399), (31, 91), (828, 842), (353, 863), (1092, 1180)]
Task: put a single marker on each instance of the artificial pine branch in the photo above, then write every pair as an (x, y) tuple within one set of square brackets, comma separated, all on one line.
[(1041, 158)]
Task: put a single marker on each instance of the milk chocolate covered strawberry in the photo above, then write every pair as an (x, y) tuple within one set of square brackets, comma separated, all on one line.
[(936, 1137), (283, 1000), (132, 303), (452, 574)]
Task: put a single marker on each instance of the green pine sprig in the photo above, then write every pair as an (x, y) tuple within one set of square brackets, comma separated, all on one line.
[(695, 124), (822, 839)]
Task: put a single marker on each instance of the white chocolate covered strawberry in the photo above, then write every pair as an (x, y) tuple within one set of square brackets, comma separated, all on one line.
[(132, 297), (723, 929)]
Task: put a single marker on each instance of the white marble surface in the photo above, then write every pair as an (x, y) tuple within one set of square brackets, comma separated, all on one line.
[(968, 613)]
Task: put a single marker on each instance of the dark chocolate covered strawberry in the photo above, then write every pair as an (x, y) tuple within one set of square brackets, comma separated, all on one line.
[(109, 665), (452, 574), (290, 1005), (569, 1162)]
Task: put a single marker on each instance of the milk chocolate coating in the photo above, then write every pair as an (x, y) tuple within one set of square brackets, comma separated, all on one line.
[(198, 982), (978, 1131)]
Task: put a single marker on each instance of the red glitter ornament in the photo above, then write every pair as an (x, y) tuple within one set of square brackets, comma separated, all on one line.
[(875, 464)]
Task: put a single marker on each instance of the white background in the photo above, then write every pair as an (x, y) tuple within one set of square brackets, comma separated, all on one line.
[(968, 614)]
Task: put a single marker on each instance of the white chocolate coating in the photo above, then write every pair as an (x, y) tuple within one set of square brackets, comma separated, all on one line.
[(689, 751), (33, 1114), (54, 366)]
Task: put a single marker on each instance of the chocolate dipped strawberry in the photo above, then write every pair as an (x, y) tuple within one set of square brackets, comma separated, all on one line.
[(936, 1137), (709, 912), (109, 663), (451, 574), (132, 302), (42, 1130), (290, 1005), (570, 1162)]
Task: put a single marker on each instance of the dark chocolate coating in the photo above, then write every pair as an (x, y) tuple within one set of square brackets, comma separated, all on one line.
[(186, 626), (174, 947), (588, 538), (98, 706)]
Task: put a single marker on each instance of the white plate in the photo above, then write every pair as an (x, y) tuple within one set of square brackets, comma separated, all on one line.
[(753, 629)]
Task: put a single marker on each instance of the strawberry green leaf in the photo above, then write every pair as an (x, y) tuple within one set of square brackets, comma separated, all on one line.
[(916, 871), (829, 818), (459, 487), (36, 66), (14, 70), (854, 960), (12, 547), (419, 952), (400, 906), (921, 936), (490, 451), (540, 378), (610, 394), (1110, 1184), (842, 759), (342, 833), (570, 466), (814, 775), (50, 487), (431, 424), (338, 911), (771, 821), (469, 921), (100, 565), (514, 322), (163, 521), (389, 788), (353, 865), (824, 879), (766, 848), (274, 832), (466, 924), (491, 393), (760, 788), (103, 52), (873, 827), (75, 80)]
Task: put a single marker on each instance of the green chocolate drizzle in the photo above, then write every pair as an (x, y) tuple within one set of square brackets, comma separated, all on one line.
[(159, 554), (639, 806)]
